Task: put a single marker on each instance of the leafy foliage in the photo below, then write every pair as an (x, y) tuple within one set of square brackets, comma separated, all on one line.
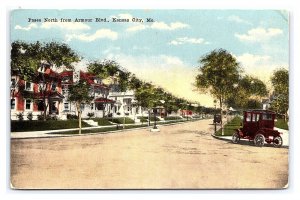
[(218, 73), (280, 82)]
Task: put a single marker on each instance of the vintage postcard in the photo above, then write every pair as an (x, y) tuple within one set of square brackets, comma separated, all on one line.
[(149, 99)]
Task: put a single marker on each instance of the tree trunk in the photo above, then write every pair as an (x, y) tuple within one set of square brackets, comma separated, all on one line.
[(79, 116), (221, 112)]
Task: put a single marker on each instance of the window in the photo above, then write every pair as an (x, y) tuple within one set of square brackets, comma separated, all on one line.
[(248, 117), (40, 105), (64, 89), (66, 106), (53, 107), (267, 117), (13, 83), (28, 104), (13, 104), (53, 86), (253, 117), (257, 117), (92, 106), (28, 86)]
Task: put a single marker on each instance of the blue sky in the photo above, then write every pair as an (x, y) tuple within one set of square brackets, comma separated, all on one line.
[(166, 51)]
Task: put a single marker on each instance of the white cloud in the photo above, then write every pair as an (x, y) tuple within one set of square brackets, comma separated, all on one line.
[(99, 34), (72, 26), (237, 19), (27, 28), (137, 27), (259, 34), (82, 65), (187, 40), (171, 26), (260, 66), (158, 26)]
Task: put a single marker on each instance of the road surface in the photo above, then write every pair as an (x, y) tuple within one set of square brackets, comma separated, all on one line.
[(183, 156)]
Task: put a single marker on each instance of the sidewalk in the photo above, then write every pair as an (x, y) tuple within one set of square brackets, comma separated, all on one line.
[(56, 133), (285, 137)]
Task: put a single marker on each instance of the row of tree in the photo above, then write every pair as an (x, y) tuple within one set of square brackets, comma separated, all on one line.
[(221, 76), (28, 58)]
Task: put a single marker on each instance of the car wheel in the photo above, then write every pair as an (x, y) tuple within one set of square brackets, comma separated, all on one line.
[(259, 140), (235, 138), (277, 141)]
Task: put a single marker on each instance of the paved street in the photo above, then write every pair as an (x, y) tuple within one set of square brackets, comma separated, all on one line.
[(179, 156)]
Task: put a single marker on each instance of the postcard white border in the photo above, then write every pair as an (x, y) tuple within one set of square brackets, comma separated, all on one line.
[(290, 193)]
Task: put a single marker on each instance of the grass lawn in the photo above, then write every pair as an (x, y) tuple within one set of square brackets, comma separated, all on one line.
[(101, 130), (280, 123), (145, 119), (102, 121), (230, 127), (45, 125), (104, 130)]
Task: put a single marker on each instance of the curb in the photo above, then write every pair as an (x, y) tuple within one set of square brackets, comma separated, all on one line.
[(51, 135)]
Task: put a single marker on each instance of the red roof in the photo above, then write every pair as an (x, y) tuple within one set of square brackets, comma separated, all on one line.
[(66, 73), (52, 73), (103, 100)]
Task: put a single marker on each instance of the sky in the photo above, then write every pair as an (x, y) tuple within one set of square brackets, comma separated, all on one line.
[(166, 49)]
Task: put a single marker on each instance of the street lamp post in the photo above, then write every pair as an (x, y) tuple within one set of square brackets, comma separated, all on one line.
[(155, 129), (154, 111)]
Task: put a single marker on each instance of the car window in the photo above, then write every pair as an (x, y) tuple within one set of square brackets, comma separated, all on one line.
[(254, 117), (248, 117), (257, 117), (267, 117)]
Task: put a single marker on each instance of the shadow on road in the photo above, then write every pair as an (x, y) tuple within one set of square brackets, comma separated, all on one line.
[(250, 143)]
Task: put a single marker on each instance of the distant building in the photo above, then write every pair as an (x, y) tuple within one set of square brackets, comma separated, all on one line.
[(125, 103)]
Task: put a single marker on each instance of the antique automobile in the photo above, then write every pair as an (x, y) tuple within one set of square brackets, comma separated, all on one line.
[(258, 126), (217, 119)]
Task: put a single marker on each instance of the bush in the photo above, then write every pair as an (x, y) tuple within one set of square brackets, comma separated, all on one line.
[(120, 120), (20, 116), (90, 114), (40, 117), (44, 125), (173, 118), (30, 116), (145, 119), (70, 116)]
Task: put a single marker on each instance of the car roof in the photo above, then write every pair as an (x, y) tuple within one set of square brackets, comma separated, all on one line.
[(261, 111)]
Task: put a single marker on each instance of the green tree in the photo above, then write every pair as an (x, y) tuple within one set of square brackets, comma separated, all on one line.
[(280, 82), (112, 72), (79, 94), (248, 93), (28, 59), (218, 72)]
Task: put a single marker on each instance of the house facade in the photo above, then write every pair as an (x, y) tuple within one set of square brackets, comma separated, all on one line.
[(29, 99), (50, 91)]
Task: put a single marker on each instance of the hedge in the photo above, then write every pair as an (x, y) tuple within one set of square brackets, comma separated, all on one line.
[(17, 126), (120, 120)]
